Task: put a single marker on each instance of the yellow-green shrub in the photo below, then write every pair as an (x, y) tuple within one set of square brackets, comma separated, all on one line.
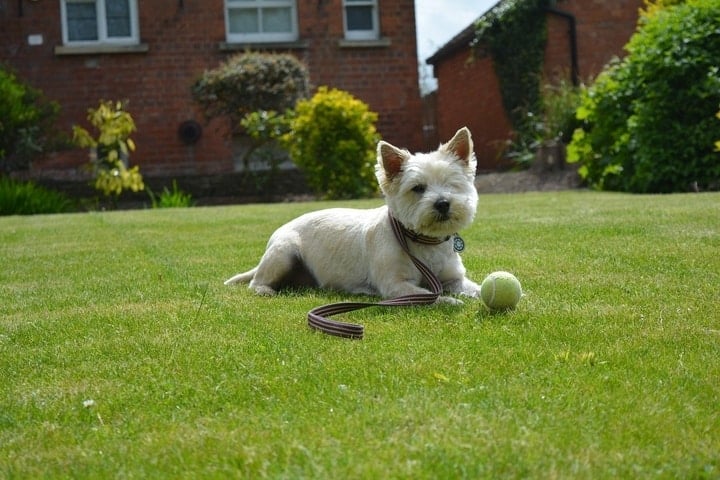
[(332, 140)]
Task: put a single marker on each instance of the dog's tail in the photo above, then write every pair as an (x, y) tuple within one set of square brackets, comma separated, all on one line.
[(241, 277)]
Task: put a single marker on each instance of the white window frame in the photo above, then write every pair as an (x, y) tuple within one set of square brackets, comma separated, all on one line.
[(101, 15), (372, 34), (261, 37)]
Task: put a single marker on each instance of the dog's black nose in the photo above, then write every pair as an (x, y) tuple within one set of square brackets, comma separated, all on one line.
[(442, 206)]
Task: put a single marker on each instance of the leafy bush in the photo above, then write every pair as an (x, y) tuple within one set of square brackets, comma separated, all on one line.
[(111, 148), (26, 122), (332, 140), (554, 123), (250, 82), (171, 199), (649, 121), (559, 104), (26, 198)]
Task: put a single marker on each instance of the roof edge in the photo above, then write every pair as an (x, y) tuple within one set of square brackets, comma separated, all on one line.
[(460, 41)]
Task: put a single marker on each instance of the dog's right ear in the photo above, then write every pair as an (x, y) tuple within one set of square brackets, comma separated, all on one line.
[(461, 145), (392, 158)]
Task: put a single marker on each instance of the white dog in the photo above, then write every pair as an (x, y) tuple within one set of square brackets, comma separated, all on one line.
[(431, 194)]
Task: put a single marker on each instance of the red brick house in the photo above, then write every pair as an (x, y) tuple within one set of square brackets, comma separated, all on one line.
[(150, 52), (582, 36)]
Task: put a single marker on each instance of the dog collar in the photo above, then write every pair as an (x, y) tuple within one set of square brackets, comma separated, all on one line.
[(424, 239), (458, 243)]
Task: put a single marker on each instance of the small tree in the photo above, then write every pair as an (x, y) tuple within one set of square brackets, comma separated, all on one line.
[(26, 122), (250, 82), (111, 149), (255, 91), (332, 139)]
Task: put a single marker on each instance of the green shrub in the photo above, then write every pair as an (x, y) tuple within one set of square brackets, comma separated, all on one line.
[(558, 121), (174, 198), (111, 148), (26, 198), (554, 123), (333, 140), (649, 121), (26, 122), (249, 82), (256, 92)]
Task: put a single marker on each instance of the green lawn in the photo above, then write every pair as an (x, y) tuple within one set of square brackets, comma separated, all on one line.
[(122, 354)]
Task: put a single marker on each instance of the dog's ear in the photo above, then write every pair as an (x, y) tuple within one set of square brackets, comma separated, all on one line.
[(392, 158), (460, 145)]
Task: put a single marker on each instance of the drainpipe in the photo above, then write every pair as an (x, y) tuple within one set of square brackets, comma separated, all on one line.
[(572, 31)]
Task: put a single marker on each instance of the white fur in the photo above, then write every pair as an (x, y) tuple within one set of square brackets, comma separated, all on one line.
[(356, 251)]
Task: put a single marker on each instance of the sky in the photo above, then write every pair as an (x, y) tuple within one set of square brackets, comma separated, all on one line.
[(437, 21)]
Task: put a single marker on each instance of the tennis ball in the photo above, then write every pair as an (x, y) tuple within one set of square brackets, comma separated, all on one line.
[(500, 291)]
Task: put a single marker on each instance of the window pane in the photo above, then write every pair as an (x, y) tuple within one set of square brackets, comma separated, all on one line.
[(118, 18), (81, 21), (276, 20), (243, 20), (359, 18)]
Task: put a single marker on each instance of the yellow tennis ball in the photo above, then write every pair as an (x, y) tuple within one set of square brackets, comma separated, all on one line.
[(500, 291)]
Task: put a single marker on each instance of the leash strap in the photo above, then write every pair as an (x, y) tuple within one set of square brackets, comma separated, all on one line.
[(318, 317)]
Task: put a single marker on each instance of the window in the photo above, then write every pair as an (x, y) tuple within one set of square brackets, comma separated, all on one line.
[(91, 22), (260, 20), (361, 19)]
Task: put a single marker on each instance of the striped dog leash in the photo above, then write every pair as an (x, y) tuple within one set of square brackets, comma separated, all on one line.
[(318, 317)]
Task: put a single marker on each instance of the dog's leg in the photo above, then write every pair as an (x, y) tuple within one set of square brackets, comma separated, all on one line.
[(399, 288), (449, 301), (279, 266), (455, 281)]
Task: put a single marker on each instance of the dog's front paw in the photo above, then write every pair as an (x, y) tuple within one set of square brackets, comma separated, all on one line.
[(463, 287), (473, 293), (449, 301)]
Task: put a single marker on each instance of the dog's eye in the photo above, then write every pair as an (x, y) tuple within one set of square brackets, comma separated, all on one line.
[(419, 188)]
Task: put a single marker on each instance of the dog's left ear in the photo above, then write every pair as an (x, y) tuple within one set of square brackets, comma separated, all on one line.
[(460, 145), (392, 158)]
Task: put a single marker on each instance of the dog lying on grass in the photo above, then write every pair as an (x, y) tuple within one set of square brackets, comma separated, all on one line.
[(432, 195)]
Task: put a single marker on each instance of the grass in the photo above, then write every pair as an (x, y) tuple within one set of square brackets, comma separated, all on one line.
[(123, 355)]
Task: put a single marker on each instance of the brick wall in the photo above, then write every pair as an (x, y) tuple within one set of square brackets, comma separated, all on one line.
[(384, 77), (468, 95), (468, 92), (603, 28), (183, 40)]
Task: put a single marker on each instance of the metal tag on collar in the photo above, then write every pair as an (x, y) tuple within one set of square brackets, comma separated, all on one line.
[(458, 243)]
